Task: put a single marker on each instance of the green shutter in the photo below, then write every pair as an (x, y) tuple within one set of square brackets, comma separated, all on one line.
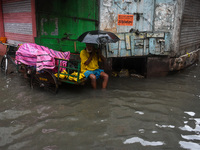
[(60, 22)]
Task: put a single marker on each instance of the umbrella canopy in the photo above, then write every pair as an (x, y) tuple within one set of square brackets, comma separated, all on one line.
[(98, 37)]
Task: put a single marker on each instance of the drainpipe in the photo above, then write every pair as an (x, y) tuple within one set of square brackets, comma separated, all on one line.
[(99, 13), (154, 11), (2, 31)]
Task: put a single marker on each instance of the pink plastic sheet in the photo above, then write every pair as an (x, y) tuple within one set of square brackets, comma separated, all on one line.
[(40, 56)]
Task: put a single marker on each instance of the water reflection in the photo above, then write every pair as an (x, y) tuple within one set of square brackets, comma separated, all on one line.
[(192, 126), (143, 142), (165, 126), (159, 113), (53, 147), (189, 145), (48, 130), (191, 137)]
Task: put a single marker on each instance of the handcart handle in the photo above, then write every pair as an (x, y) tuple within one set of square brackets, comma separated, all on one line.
[(62, 59)]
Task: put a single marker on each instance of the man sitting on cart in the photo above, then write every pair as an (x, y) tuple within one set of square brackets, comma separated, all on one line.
[(90, 58)]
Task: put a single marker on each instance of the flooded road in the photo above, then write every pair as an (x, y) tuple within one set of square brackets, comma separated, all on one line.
[(139, 114)]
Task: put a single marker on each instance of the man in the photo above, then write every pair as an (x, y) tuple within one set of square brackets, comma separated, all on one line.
[(90, 67)]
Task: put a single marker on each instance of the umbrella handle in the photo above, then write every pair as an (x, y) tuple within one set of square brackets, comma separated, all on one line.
[(101, 47)]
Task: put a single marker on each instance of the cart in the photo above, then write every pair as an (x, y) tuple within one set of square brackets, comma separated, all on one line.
[(51, 79), (48, 79)]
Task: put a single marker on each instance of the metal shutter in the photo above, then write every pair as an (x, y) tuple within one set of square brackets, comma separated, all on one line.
[(17, 21), (190, 27)]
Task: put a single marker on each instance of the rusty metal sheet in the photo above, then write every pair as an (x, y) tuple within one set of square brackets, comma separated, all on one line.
[(155, 35), (128, 44), (143, 11), (121, 36), (164, 16)]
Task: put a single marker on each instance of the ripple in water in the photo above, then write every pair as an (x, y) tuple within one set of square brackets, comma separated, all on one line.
[(143, 142), (190, 138)]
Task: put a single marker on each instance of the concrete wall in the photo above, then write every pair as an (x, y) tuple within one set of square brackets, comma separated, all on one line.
[(175, 42)]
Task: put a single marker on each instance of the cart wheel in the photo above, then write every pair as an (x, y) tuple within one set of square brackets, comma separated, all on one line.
[(4, 65), (45, 79), (8, 66)]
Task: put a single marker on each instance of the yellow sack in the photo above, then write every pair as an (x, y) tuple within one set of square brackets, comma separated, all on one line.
[(62, 75), (81, 76)]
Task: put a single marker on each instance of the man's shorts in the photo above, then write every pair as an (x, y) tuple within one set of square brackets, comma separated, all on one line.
[(96, 72)]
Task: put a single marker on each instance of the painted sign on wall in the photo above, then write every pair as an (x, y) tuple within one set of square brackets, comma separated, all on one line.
[(125, 20)]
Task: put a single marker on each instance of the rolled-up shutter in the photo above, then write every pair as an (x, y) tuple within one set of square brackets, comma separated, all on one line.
[(17, 21), (190, 27)]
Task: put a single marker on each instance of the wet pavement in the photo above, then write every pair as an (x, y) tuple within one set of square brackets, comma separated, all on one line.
[(140, 114)]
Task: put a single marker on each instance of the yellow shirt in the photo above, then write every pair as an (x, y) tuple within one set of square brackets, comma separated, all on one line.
[(93, 65)]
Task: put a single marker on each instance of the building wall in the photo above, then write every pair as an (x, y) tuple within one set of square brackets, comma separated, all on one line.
[(175, 42), (178, 20), (149, 15), (109, 10), (1, 21), (18, 21), (152, 29)]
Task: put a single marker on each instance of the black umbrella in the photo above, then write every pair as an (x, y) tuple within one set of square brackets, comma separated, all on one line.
[(98, 37)]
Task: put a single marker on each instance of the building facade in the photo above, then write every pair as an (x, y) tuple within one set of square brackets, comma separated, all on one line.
[(156, 36)]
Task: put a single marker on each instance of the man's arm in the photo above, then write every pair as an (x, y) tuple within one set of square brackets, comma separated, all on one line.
[(90, 58)]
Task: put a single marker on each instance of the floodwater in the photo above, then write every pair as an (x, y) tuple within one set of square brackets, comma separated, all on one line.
[(132, 114)]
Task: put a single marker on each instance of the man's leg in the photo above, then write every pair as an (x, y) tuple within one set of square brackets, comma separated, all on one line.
[(105, 79), (93, 81)]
